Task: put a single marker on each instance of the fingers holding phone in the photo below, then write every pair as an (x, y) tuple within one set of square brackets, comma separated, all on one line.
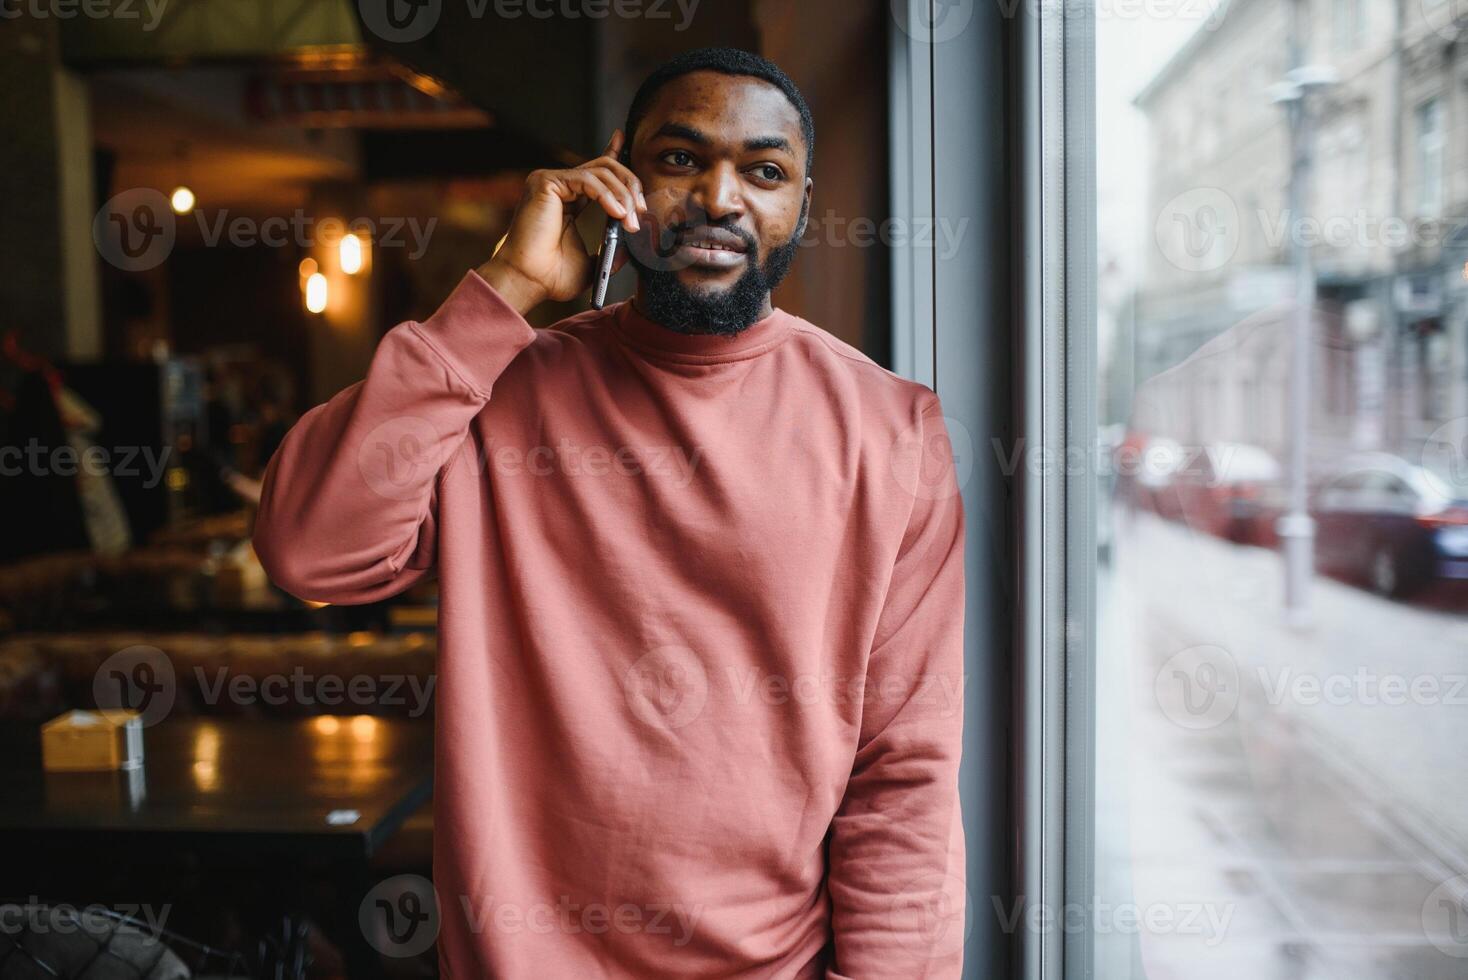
[(542, 257)]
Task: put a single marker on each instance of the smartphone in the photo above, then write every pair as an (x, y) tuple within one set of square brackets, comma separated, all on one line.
[(609, 241)]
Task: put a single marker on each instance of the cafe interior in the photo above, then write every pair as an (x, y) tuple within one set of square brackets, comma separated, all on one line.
[(212, 212)]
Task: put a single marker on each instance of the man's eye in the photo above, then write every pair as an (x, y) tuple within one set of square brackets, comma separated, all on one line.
[(768, 171), (679, 158)]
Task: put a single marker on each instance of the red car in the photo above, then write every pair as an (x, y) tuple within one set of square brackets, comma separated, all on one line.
[(1228, 490)]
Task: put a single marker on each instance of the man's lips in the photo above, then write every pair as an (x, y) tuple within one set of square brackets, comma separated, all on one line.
[(713, 248), (716, 258)]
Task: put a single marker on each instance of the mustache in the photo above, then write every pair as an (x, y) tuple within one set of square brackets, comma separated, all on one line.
[(670, 237)]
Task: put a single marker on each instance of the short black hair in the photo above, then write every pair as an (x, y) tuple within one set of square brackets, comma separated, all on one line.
[(726, 61)]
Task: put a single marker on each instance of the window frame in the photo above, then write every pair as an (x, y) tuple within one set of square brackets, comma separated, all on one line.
[(953, 144), (996, 125), (1058, 553)]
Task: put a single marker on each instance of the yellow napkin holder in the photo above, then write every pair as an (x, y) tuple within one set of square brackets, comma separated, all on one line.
[(92, 741)]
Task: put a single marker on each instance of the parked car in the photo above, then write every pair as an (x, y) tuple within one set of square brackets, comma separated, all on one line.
[(1145, 466), (1229, 490), (1394, 524)]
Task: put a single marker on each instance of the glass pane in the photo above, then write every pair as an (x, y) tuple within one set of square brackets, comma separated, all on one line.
[(1282, 579)]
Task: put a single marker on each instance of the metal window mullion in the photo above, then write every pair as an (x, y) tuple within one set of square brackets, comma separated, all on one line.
[(1051, 406), (1082, 483), (1041, 103), (1059, 543), (911, 186)]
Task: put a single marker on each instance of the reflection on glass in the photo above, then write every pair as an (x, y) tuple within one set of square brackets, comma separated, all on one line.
[(206, 758), (347, 751), (1278, 796)]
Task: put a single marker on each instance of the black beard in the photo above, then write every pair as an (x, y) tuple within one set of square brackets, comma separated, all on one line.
[(666, 301)]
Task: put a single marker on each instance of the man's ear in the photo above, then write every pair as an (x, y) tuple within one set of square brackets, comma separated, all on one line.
[(805, 209)]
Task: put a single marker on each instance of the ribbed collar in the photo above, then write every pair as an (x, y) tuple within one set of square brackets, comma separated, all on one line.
[(653, 338)]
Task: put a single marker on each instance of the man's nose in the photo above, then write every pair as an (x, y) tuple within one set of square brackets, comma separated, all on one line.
[(719, 192)]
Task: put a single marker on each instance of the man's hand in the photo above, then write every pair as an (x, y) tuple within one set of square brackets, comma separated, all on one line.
[(542, 257)]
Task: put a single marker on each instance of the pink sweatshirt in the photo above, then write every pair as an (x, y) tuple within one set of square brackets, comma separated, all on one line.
[(699, 685)]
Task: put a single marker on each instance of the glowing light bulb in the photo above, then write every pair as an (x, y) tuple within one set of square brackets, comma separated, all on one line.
[(181, 200), (351, 254), (316, 293)]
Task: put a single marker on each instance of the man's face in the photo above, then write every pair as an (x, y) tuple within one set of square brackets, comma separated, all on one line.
[(722, 160)]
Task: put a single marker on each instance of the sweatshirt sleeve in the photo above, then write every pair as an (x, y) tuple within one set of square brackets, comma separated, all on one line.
[(896, 871), (348, 507)]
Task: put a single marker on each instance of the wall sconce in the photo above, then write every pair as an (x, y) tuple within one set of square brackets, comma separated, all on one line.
[(350, 251), (181, 200), (316, 293)]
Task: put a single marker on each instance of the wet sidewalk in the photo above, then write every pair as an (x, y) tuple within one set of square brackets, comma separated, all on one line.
[(1263, 795)]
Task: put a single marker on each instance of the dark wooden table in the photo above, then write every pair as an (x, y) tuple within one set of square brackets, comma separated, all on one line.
[(274, 794)]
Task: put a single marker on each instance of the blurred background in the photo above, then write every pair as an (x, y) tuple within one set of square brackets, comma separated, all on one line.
[(214, 210), (1257, 584), (1281, 660)]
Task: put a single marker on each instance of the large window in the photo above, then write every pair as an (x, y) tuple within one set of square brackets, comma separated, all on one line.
[(1265, 769)]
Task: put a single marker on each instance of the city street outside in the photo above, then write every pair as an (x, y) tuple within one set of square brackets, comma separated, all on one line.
[(1272, 802)]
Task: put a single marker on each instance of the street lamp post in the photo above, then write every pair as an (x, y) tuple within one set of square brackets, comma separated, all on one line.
[(1296, 528)]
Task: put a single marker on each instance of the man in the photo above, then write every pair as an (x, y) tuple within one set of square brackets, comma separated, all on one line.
[(701, 578)]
